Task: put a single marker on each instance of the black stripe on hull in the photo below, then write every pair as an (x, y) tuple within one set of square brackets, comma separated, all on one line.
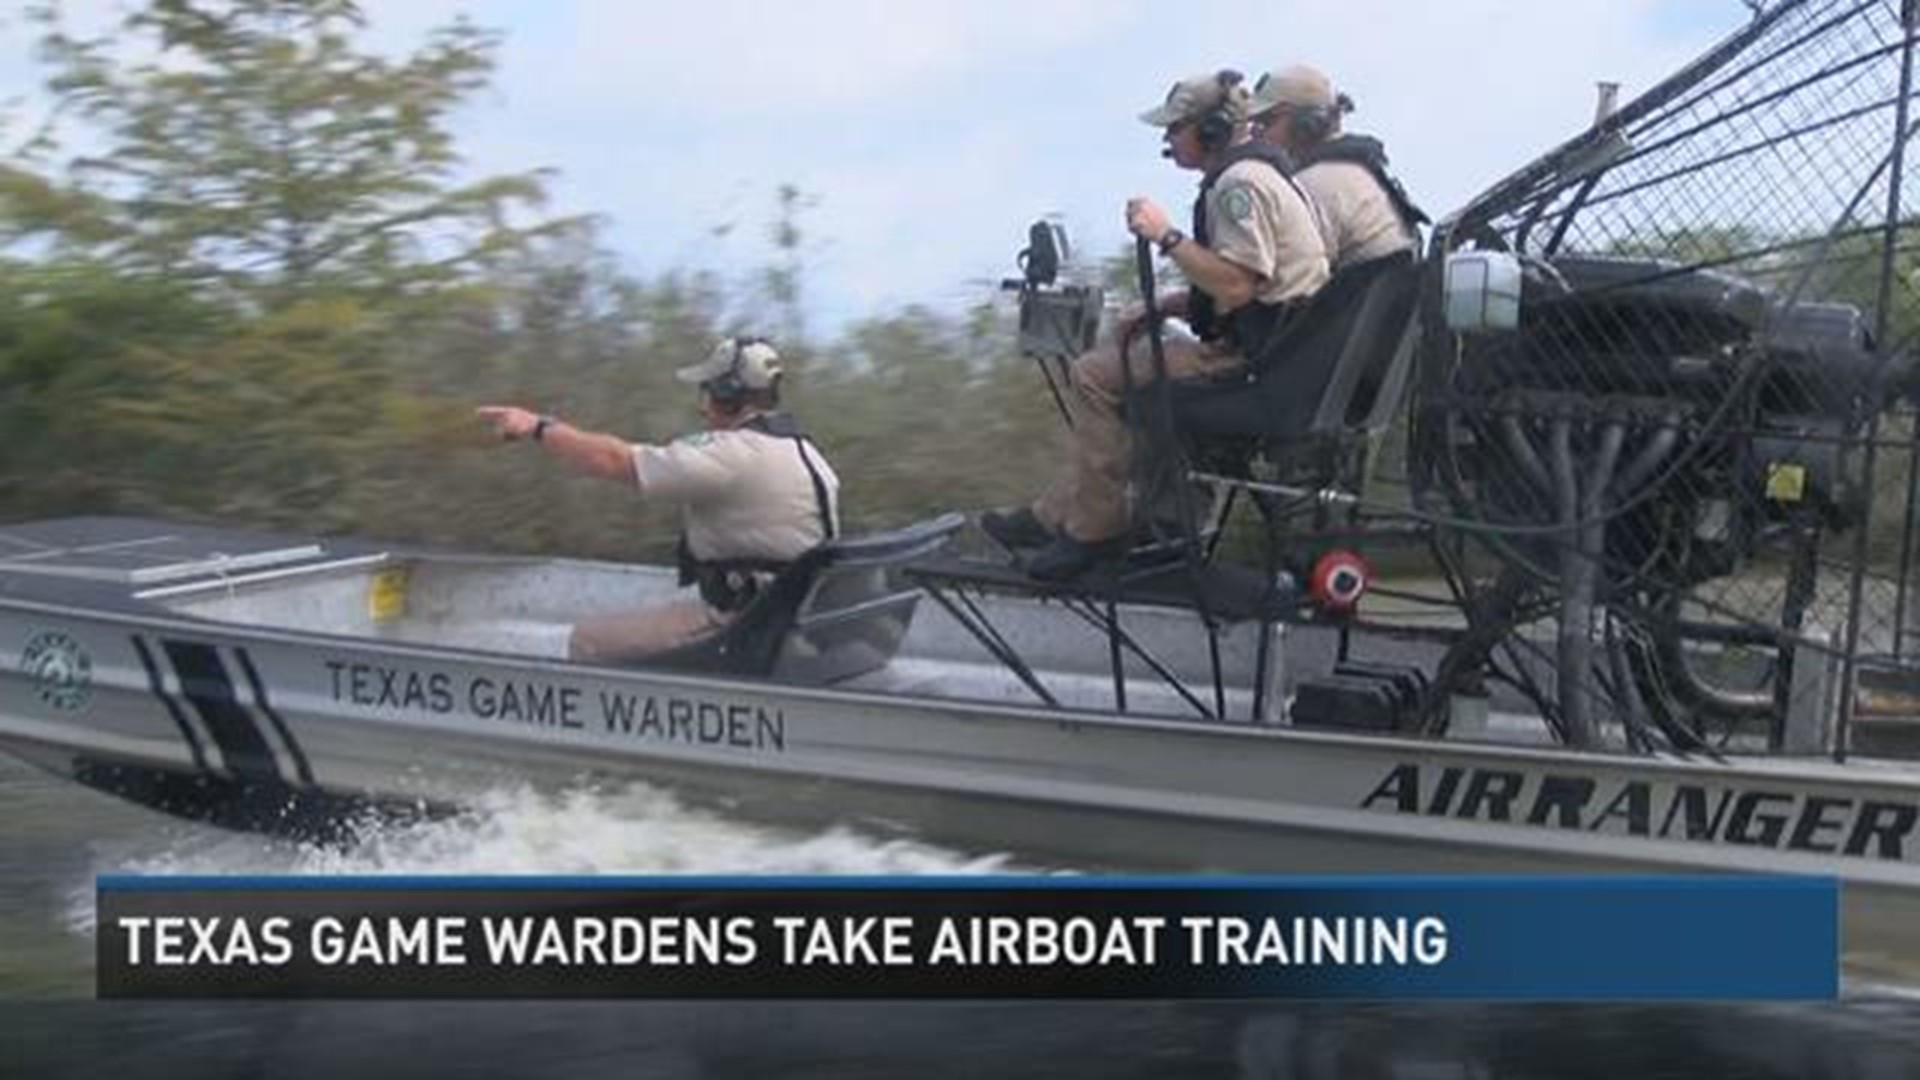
[(270, 807), (259, 688), (173, 707), (205, 683)]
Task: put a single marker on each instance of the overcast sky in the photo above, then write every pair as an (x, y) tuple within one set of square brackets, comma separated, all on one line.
[(931, 131)]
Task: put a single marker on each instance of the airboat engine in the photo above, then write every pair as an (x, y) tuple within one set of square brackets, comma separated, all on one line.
[(1699, 413), (1628, 430), (1665, 431)]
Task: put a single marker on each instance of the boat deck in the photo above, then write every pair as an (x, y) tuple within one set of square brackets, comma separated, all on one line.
[(136, 553)]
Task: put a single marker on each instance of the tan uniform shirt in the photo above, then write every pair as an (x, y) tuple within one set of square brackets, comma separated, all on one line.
[(1256, 219), (1356, 214), (745, 494)]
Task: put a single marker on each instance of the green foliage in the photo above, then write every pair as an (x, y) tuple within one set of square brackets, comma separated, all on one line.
[(260, 149), (781, 280), (268, 300), (924, 415), (71, 334), (1849, 271), (1706, 245), (33, 208), (1119, 275), (1842, 268), (562, 331)]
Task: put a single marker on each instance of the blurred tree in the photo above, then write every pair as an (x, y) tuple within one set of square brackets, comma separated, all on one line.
[(562, 329), (266, 300), (922, 413), (34, 210), (1119, 275), (781, 279), (68, 331), (255, 145), (1700, 245), (226, 310)]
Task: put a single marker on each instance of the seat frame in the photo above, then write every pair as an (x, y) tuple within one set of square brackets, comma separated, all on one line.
[(838, 611), (1312, 402), (1348, 355)]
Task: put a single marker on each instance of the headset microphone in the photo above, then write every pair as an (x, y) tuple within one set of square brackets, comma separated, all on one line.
[(1166, 151)]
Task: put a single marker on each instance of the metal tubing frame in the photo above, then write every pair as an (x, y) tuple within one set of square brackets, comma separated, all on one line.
[(975, 622), (1849, 666), (1119, 639)]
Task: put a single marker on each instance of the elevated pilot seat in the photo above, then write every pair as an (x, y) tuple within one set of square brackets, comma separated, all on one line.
[(1328, 382), (838, 611)]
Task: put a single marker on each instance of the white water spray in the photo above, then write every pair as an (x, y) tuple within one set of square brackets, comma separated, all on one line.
[(632, 829)]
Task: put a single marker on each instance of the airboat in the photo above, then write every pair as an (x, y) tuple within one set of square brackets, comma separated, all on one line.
[(1637, 430)]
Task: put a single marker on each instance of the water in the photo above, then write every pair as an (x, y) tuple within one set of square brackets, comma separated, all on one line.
[(54, 837)]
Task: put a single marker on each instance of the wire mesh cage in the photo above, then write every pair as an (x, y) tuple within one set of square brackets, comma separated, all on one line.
[(1687, 470)]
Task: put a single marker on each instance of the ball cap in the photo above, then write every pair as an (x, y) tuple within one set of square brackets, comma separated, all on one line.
[(754, 361), (1194, 97), (1299, 85)]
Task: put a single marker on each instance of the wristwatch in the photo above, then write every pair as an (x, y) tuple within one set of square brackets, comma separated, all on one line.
[(540, 427), (1171, 239)]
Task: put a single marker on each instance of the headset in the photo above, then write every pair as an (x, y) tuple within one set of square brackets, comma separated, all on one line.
[(730, 390), (1316, 124), (1216, 126)]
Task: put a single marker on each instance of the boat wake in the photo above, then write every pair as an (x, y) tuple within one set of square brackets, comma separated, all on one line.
[(630, 829)]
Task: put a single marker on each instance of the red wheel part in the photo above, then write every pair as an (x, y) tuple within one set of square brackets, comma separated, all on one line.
[(1339, 581)]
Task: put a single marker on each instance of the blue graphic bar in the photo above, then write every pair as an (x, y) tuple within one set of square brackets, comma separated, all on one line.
[(1336, 938)]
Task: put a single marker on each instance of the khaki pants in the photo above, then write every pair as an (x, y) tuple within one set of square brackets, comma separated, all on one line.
[(627, 636), (1088, 499)]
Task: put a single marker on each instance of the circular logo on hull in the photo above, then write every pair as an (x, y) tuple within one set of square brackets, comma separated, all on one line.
[(61, 672)]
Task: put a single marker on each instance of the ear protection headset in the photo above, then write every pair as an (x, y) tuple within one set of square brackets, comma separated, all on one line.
[(729, 389), (1316, 124), (1216, 126)]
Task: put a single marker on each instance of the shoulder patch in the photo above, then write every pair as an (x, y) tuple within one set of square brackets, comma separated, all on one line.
[(1237, 202), (697, 438)]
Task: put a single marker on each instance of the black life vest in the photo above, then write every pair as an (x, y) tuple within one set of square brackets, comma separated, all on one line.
[(731, 584), (1368, 153), (1249, 325)]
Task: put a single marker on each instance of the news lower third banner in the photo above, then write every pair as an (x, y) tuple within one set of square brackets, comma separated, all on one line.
[(1516, 939)]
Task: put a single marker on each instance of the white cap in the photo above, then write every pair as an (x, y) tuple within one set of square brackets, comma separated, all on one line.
[(1197, 95), (1298, 85), (750, 359)]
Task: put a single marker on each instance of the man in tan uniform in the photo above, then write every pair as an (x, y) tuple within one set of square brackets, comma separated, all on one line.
[(754, 494), (1364, 212), (1256, 251)]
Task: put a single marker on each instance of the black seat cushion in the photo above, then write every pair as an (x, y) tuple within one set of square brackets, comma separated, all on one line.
[(751, 643), (1326, 352)]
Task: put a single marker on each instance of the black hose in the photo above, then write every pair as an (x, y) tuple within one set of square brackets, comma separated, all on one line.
[(1524, 454), (1576, 602)]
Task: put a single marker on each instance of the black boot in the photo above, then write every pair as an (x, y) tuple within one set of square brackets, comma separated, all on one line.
[(1067, 558), (1012, 529)]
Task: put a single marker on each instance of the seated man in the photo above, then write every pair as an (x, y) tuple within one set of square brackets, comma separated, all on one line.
[(1364, 212), (1256, 251), (753, 491)]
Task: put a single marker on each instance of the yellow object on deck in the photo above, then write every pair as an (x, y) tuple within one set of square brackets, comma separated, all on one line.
[(387, 595)]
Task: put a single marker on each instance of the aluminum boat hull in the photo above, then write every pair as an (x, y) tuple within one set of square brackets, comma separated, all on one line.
[(123, 687)]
